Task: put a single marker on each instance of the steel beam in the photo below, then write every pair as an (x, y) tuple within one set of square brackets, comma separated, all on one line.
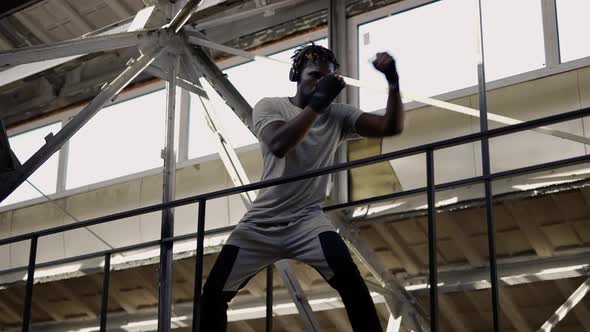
[(202, 64), (571, 302), (168, 194), (515, 272), (8, 160), (22, 71), (550, 33), (244, 308), (394, 324), (399, 301), (181, 81), (298, 295), (183, 130), (55, 142), (581, 311), (78, 46), (184, 14), (142, 18), (337, 38), (227, 153)]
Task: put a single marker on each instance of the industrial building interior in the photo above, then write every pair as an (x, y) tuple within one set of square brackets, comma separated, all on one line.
[(160, 94)]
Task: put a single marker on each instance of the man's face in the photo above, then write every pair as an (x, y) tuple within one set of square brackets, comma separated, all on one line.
[(311, 74)]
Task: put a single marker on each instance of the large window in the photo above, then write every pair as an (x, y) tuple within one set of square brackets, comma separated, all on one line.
[(435, 45), (574, 26), (202, 142), (121, 139), (45, 178)]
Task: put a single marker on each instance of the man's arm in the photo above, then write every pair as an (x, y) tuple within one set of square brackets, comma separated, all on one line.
[(280, 137), (392, 123)]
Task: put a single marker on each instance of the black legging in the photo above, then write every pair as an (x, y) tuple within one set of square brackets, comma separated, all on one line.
[(347, 280)]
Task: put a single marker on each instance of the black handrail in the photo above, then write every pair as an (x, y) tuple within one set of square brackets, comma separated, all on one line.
[(305, 175), (202, 199)]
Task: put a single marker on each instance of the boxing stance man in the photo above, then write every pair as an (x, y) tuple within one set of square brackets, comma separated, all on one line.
[(299, 134)]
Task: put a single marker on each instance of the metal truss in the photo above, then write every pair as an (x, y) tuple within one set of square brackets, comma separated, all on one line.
[(399, 302), (569, 304)]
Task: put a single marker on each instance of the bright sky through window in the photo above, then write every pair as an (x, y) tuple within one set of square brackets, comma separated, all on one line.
[(121, 139), (574, 28), (435, 45)]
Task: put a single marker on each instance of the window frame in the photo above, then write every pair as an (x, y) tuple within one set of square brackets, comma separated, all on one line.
[(553, 64)]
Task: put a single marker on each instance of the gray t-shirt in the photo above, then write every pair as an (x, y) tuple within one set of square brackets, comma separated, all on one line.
[(292, 201)]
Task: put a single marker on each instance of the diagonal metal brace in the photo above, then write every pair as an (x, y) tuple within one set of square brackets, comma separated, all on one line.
[(108, 92), (200, 62), (399, 301)]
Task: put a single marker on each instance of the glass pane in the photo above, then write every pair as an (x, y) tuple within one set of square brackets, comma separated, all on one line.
[(121, 139), (45, 178), (513, 37), (436, 61), (430, 61), (573, 29)]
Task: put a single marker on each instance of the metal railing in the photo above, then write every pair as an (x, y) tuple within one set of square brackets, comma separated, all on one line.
[(201, 199)]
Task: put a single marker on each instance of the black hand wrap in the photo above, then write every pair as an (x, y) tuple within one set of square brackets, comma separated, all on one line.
[(391, 74), (327, 88)]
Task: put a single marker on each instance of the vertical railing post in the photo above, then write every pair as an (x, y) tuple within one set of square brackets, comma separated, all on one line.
[(104, 304), (432, 258), (269, 287), (485, 156), (199, 266), (30, 281)]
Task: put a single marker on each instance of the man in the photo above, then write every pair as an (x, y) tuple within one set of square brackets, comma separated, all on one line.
[(298, 134)]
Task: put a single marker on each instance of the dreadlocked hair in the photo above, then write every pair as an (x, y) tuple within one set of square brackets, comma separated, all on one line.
[(313, 53)]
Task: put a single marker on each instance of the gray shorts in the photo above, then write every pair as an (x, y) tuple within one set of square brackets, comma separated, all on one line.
[(262, 245)]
